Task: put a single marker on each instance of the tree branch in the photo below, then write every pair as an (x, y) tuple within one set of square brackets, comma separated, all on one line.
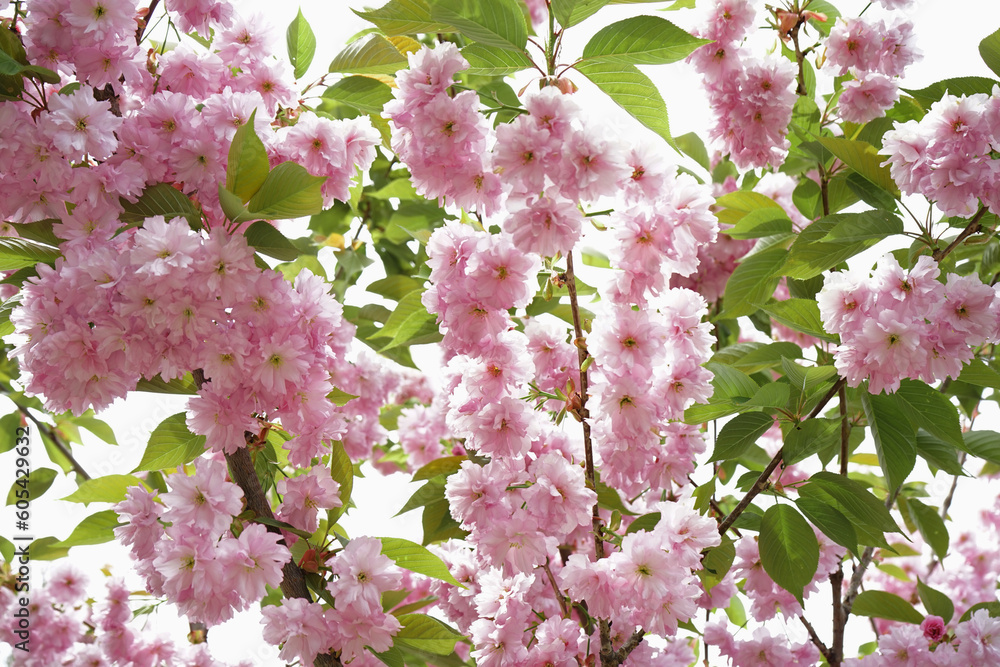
[(293, 583), (969, 230), (815, 639), (863, 563), (46, 430), (764, 479), (607, 651)]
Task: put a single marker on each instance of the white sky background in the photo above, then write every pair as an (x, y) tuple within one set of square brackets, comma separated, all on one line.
[(948, 33)]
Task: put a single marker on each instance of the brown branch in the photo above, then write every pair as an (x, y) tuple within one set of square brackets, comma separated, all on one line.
[(815, 638), (969, 230), (293, 583), (836, 656), (563, 604), (839, 617), (46, 430), (763, 480), (863, 563), (607, 652)]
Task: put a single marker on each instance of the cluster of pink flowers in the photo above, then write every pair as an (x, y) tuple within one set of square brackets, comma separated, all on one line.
[(165, 300), (542, 163), (69, 628), (649, 583), (875, 54), (443, 139), (182, 545), (306, 629), (975, 642), (947, 155), (649, 345), (899, 324), (751, 99)]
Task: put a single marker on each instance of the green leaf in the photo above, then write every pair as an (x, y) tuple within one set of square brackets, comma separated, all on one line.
[(880, 604), (938, 454), (340, 397), (342, 472), (8, 424), (641, 40), (445, 465), (289, 191), (830, 521), (571, 12), (989, 49), (894, 436), (40, 230), (731, 383), (6, 549), (18, 253), (737, 204), (98, 427), (936, 602), (968, 85), (171, 444), (739, 433), (395, 287), (993, 608), (432, 492), (862, 158), (233, 207), (930, 410), (247, 167), (931, 526), (364, 93), (645, 522), (281, 525), (633, 91), (759, 223), (392, 657), (800, 315), (95, 529), (808, 437), (753, 282), (301, 44), (181, 386), (806, 379), (716, 563), (415, 558), (426, 633), (865, 226), (498, 23), (983, 444), (608, 498), (692, 146), (789, 551), (39, 482), (865, 511), (269, 241), (161, 199), (372, 55), (771, 395), (403, 17), (486, 61), (810, 255), (981, 374), (107, 489)]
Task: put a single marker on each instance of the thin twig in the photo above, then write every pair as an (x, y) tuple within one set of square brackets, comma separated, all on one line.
[(815, 638), (57, 442), (969, 230), (763, 480), (863, 563)]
